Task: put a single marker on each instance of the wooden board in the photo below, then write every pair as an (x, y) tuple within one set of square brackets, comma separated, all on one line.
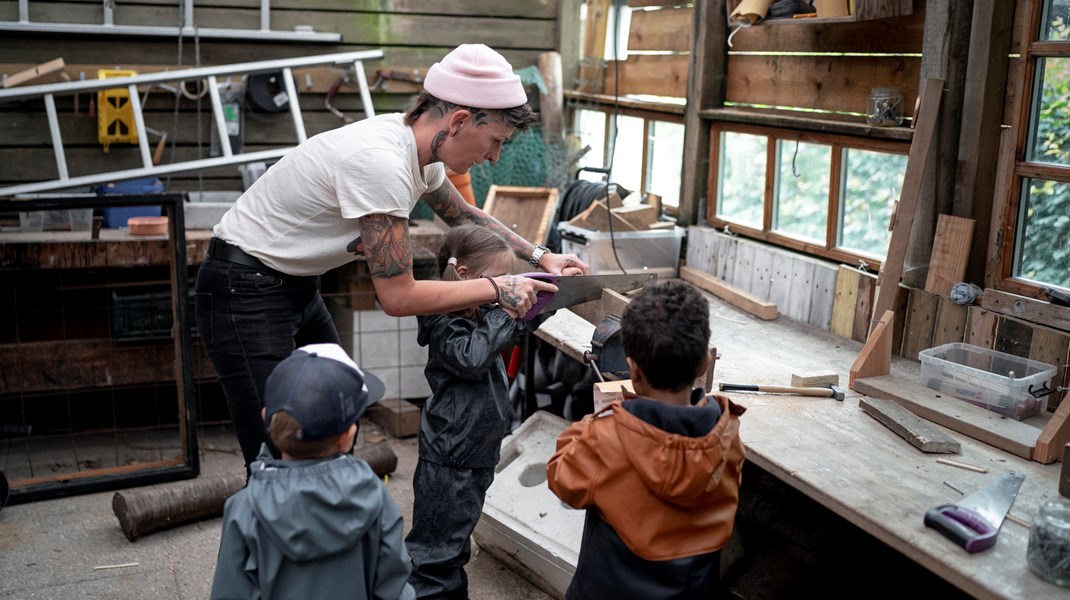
[(802, 287), (823, 82), (1013, 336), (528, 211), (867, 288), (762, 266), (843, 306), (49, 72), (951, 251), (743, 273), (1016, 437), (823, 296), (921, 322), (743, 299), (596, 218), (1051, 347), (661, 30), (656, 74), (1030, 309), (920, 433), (875, 359), (1056, 435), (981, 327), (780, 280), (950, 322)]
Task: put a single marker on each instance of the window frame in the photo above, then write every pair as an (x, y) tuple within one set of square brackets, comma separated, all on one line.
[(838, 143), (1013, 192), (675, 115)]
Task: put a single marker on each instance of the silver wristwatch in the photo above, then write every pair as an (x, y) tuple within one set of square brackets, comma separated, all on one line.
[(536, 254)]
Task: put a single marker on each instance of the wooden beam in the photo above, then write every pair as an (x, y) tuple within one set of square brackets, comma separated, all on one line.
[(876, 356), (743, 299), (892, 268), (705, 89), (920, 433), (843, 305)]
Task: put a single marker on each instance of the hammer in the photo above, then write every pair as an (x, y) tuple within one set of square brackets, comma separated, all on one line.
[(833, 391)]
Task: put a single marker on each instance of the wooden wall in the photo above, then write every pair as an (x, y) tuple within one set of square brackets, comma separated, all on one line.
[(412, 33)]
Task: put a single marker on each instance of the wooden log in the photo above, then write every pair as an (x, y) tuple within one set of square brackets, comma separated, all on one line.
[(920, 433), (145, 510)]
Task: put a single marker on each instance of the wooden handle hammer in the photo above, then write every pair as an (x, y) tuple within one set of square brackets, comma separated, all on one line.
[(832, 391)]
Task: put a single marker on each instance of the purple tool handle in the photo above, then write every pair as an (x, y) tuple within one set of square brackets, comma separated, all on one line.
[(542, 298), (963, 526)]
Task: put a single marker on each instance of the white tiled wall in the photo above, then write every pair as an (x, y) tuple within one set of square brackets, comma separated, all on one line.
[(387, 347)]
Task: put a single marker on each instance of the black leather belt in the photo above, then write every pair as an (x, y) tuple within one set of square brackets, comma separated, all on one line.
[(220, 250)]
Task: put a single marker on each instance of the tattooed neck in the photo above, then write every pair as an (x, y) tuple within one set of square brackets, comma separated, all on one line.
[(436, 143)]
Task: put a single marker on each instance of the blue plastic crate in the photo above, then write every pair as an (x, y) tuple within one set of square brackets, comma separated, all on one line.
[(116, 217)]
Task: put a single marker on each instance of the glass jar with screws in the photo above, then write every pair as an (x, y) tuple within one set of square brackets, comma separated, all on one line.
[(1048, 553), (884, 107)]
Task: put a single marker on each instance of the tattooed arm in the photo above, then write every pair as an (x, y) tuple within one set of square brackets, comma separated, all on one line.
[(386, 246), (448, 204)]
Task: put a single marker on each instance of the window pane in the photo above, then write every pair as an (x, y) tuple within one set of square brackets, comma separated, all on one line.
[(871, 184), (591, 129), (741, 178), (1051, 115), (1043, 227), (1056, 23), (802, 189), (666, 160), (628, 153)]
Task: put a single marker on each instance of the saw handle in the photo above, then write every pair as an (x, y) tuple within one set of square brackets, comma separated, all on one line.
[(962, 526), (542, 298)]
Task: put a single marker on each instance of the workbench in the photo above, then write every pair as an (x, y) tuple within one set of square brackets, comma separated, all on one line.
[(847, 461)]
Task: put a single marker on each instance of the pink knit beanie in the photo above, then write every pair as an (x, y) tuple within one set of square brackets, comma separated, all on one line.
[(474, 75)]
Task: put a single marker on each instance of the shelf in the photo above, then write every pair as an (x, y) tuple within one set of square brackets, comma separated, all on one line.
[(825, 125)]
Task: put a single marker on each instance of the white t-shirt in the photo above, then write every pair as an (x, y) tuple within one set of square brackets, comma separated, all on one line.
[(300, 215)]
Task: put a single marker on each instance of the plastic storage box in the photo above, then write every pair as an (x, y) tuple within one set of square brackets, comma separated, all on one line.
[(654, 251), (998, 381)]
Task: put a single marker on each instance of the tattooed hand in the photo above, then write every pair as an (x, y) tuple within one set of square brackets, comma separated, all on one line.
[(517, 294)]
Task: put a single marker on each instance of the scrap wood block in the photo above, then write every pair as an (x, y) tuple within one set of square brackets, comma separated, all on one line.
[(596, 218), (921, 434), (399, 418), (49, 72), (819, 378), (606, 392), (639, 216)]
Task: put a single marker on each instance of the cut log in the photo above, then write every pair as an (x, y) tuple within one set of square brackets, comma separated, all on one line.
[(145, 510), (920, 433)]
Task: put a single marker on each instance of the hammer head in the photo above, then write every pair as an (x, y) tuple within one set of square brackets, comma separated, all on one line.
[(838, 392)]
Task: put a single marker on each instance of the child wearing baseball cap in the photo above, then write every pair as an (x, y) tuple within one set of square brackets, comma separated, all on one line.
[(318, 522)]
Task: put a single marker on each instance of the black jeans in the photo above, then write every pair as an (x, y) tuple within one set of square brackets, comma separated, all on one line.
[(250, 319)]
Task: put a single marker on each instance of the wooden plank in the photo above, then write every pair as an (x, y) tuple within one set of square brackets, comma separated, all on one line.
[(743, 273), (951, 251), (875, 359), (1055, 436), (701, 251), (655, 74), (1013, 337), (981, 327), (761, 279), (950, 323), (821, 82), (867, 287), (921, 321), (803, 120), (1030, 309), (639, 216), (661, 30), (726, 257), (802, 285), (47, 72), (893, 35), (892, 267), (527, 211), (1016, 437), (758, 307), (880, 9), (843, 306), (920, 433), (823, 296), (780, 280)]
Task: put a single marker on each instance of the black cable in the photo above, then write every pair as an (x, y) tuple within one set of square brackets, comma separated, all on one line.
[(619, 8)]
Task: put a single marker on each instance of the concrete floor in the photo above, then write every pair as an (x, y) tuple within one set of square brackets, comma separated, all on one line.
[(56, 548)]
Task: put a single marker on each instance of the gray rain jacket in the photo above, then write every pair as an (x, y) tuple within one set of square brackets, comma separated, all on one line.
[(323, 528)]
